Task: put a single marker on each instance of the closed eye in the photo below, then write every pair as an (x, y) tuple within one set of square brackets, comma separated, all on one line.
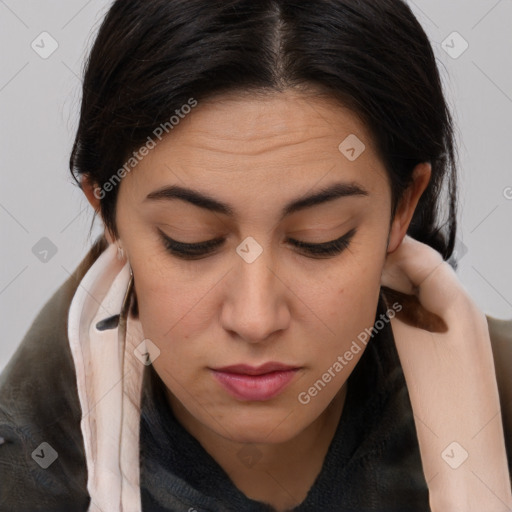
[(201, 250), (326, 249)]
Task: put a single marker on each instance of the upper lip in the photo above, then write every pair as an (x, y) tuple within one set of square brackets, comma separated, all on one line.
[(245, 369)]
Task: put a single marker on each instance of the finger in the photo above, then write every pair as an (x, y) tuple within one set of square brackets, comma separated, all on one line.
[(417, 269), (409, 265)]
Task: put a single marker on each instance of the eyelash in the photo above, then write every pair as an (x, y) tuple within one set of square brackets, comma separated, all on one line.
[(199, 250)]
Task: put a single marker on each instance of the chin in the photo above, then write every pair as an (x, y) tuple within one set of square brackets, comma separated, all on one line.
[(260, 427)]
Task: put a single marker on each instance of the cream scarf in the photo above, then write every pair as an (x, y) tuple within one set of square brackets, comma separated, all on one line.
[(109, 381)]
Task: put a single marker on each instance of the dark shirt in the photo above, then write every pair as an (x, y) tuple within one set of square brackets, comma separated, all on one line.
[(372, 464)]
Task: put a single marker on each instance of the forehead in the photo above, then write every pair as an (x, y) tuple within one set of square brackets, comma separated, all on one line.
[(257, 125), (264, 140)]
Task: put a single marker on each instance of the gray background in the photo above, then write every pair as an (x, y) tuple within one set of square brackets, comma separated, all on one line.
[(39, 104)]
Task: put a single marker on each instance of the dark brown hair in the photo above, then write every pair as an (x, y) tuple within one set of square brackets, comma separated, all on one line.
[(151, 56)]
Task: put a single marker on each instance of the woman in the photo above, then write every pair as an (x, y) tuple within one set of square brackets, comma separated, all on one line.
[(269, 322)]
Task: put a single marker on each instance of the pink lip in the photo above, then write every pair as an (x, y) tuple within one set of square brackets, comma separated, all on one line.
[(255, 383)]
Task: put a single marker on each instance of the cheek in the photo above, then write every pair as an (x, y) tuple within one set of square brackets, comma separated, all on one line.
[(179, 313), (170, 308), (347, 299), (346, 304), (176, 322)]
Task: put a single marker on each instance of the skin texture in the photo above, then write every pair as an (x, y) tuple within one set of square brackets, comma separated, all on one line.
[(257, 154)]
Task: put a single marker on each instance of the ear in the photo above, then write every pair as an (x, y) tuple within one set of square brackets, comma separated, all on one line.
[(92, 192), (407, 206), (88, 188)]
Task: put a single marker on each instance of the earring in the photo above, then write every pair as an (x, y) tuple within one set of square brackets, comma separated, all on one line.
[(120, 252), (120, 256)]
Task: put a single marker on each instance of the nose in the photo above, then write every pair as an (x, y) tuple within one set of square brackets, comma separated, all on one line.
[(255, 305)]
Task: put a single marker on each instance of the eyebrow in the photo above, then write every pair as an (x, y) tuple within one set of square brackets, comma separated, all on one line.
[(329, 193)]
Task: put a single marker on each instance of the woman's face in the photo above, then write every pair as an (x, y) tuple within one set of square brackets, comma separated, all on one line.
[(257, 297)]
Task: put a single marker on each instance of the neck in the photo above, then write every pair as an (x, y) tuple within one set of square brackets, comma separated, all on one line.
[(282, 473)]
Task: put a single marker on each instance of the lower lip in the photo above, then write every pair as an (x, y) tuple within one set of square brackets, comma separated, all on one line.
[(255, 387)]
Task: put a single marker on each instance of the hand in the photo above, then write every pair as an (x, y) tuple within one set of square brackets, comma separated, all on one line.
[(443, 342)]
